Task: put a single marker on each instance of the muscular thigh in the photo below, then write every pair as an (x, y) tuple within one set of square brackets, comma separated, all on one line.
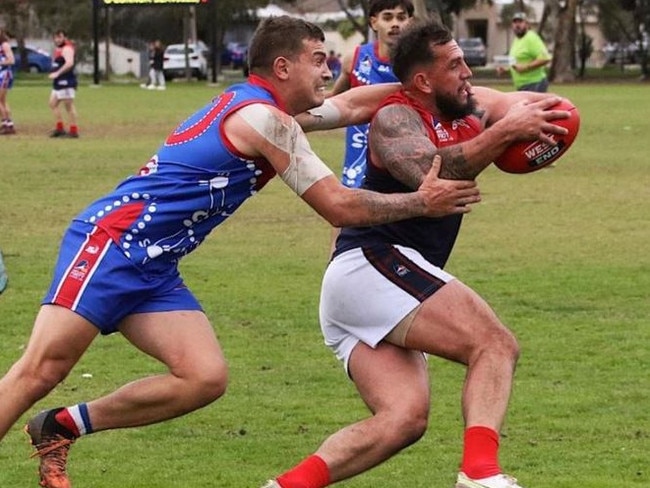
[(389, 376), (183, 340), (452, 322)]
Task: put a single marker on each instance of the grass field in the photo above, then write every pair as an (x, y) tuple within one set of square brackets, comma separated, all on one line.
[(561, 254)]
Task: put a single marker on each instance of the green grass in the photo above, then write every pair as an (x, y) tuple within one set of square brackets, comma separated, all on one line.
[(561, 254)]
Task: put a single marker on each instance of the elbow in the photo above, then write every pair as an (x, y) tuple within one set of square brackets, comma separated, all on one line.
[(338, 214), (340, 222), (339, 205), (337, 218)]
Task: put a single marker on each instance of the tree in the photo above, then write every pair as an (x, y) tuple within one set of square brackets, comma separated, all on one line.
[(585, 43), (563, 63), (353, 23), (421, 11), (17, 12)]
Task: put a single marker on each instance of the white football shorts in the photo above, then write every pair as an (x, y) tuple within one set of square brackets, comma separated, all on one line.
[(64, 93), (366, 292)]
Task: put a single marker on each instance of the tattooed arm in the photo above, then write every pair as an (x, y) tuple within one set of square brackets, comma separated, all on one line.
[(399, 142), (261, 130)]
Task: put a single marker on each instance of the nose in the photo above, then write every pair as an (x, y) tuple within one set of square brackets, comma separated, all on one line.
[(467, 73), (328, 73)]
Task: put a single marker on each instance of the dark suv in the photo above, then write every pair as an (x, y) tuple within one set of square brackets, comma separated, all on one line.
[(474, 51)]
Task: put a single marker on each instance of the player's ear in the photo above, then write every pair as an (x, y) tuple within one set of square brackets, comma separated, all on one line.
[(422, 83), (281, 67), (372, 22)]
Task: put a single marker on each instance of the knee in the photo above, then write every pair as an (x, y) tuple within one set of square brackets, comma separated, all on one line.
[(37, 380), (510, 346), (408, 426), (414, 428), (210, 383), (503, 342)]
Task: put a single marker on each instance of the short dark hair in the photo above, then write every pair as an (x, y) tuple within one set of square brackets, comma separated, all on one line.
[(280, 36), (414, 46), (60, 32), (377, 6)]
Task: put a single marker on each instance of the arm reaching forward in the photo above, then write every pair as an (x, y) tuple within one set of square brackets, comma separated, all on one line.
[(399, 141), (265, 131), (355, 106)]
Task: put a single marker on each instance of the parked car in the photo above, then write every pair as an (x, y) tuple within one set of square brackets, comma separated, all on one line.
[(38, 60), (174, 61), (624, 53), (234, 55), (473, 50)]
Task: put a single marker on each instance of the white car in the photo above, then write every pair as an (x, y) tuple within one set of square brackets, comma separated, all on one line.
[(174, 61)]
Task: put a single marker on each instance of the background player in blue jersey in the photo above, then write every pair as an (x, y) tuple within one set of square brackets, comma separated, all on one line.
[(369, 64), (385, 299), (117, 269), (7, 61), (3, 274)]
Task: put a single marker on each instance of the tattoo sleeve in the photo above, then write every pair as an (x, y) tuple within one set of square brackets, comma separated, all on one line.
[(399, 143)]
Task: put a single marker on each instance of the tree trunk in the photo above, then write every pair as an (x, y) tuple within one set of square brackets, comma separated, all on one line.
[(420, 9), (563, 64)]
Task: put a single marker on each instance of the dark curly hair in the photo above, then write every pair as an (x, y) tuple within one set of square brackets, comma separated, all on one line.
[(414, 46)]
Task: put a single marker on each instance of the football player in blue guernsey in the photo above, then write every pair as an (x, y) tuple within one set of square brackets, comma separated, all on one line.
[(411, 307), (369, 64), (117, 269)]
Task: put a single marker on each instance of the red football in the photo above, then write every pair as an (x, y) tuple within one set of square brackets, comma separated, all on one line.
[(528, 156)]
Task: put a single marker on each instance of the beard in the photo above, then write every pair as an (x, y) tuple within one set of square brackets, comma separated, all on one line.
[(451, 109)]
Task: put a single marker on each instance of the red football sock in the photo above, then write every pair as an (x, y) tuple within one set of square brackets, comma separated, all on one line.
[(64, 418), (59, 126), (480, 453), (311, 473), (73, 129)]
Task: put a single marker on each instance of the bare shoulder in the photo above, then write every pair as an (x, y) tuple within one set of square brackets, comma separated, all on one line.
[(395, 120), (399, 142), (255, 127)]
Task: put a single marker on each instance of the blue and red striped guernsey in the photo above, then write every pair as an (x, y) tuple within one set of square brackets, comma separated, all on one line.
[(194, 182)]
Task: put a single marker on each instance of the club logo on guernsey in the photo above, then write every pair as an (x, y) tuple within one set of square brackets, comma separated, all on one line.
[(365, 66), (401, 270), (441, 132), (79, 270), (149, 168), (92, 249), (459, 123)]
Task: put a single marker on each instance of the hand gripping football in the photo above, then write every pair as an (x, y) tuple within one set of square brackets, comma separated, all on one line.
[(529, 156)]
